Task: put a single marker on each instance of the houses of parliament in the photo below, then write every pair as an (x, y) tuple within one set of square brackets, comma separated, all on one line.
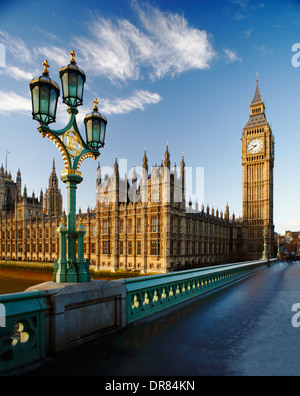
[(146, 226)]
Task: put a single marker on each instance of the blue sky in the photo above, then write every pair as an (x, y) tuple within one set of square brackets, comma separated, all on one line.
[(182, 72)]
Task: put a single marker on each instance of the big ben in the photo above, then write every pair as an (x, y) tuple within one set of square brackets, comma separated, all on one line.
[(258, 164)]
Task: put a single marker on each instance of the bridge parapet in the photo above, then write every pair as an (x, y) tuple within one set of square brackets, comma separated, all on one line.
[(22, 330), (152, 294)]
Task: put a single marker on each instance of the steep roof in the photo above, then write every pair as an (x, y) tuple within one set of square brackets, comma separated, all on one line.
[(257, 96)]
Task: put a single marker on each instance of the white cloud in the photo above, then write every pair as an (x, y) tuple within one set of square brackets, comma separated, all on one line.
[(239, 16), (159, 45), (165, 45), (177, 47), (263, 50), (231, 56), (17, 73), (10, 102), (109, 53), (54, 54), (241, 3), (139, 100), (16, 47)]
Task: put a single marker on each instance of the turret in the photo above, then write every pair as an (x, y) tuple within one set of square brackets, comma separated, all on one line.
[(134, 175), (98, 175), (226, 214), (144, 181), (182, 176), (116, 179), (167, 162), (19, 182), (145, 162)]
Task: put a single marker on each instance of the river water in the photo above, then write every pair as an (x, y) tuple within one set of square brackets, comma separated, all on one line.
[(15, 285)]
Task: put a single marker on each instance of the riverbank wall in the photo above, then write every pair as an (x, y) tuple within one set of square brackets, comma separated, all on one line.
[(43, 271)]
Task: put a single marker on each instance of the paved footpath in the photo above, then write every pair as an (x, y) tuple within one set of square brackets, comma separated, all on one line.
[(242, 330)]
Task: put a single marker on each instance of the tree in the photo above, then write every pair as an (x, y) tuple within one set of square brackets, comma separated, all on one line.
[(292, 247)]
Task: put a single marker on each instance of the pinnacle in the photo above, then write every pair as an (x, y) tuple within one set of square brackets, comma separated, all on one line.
[(257, 97)]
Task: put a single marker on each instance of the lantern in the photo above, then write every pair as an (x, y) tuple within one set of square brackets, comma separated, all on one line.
[(44, 95), (73, 80), (95, 128)]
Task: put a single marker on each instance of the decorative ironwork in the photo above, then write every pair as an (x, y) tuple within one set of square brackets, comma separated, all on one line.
[(149, 295), (22, 340)]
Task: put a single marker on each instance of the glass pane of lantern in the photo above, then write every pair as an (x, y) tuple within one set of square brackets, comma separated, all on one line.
[(89, 131), (65, 84), (72, 85), (102, 134), (96, 132), (35, 99), (80, 88), (52, 108), (44, 100), (44, 118)]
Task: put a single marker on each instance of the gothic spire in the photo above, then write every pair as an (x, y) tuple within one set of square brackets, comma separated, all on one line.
[(134, 175), (53, 198), (53, 181), (167, 163), (116, 167), (145, 161), (182, 165), (257, 97), (98, 175)]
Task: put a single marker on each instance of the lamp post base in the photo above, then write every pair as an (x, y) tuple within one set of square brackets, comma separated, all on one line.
[(60, 271), (71, 270), (74, 273)]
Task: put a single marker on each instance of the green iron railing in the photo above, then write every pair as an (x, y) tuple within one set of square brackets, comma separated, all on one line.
[(22, 332), (149, 295)]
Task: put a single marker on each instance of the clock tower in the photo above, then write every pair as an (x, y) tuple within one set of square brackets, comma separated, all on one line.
[(258, 163)]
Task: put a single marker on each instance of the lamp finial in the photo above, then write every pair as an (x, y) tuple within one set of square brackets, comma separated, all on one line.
[(95, 105), (46, 66), (72, 53)]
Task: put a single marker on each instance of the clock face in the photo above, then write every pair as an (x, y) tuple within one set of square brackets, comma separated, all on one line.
[(255, 146)]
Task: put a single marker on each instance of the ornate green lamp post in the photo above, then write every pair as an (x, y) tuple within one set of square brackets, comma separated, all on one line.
[(69, 267), (278, 250), (265, 255)]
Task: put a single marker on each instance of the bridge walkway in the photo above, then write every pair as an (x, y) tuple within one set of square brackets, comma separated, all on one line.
[(242, 330)]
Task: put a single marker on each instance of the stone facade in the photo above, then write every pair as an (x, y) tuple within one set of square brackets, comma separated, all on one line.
[(28, 224), (144, 227), (148, 228)]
